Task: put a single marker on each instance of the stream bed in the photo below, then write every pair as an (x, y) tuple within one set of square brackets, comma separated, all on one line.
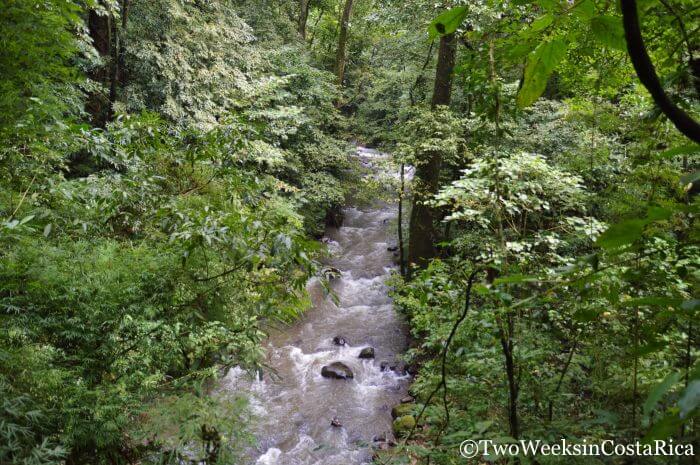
[(295, 408)]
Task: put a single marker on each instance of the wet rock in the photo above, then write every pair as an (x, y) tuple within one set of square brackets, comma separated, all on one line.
[(337, 370), (408, 400), (331, 273), (393, 248), (383, 446), (367, 352), (386, 366), (336, 423), (339, 341), (401, 410), (403, 425), (335, 217)]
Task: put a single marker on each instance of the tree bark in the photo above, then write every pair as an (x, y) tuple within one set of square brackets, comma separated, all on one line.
[(513, 385), (442, 92), (402, 188), (343, 42), (422, 232), (99, 27), (303, 17)]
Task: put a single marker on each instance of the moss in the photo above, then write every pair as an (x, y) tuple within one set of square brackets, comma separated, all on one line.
[(401, 410), (402, 425)]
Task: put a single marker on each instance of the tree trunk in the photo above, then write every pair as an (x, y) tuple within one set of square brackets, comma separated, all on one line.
[(303, 17), (402, 255), (99, 27), (442, 92), (422, 233), (513, 386), (343, 42)]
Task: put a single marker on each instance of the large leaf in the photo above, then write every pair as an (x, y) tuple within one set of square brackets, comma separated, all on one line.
[(690, 177), (658, 392), (542, 22), (608, 30), (623, 233), (585, 9), (690, 399), (626, 232), (682, 150), (663, 429), (540, 64), (447, 22)]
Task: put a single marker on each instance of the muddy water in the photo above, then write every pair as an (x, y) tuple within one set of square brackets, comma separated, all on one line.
[(295, 409)]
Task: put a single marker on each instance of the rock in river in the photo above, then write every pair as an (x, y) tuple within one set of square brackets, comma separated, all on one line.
[(339, 341), (367, 352), (337, 370)]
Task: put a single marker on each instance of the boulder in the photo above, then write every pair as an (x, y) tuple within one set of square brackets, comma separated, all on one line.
[(367, 352), (331, 273), (339, 341), (401, 410), (408, 400), (337, 370), (403, 425)]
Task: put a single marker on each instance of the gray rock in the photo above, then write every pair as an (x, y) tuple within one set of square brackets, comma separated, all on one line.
[(367, 352), (337, 370)]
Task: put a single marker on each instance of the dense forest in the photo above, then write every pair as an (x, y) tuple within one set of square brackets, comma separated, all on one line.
[(168, 169)]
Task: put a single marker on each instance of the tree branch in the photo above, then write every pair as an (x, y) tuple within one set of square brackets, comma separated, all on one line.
[(647, 74)]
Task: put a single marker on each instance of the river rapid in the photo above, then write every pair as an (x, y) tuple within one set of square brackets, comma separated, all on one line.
[(295, 408)]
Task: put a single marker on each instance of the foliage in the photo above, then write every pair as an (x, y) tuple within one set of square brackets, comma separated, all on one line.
[(143, 257)]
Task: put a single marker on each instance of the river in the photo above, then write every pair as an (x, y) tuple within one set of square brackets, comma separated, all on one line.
[(295, 408)]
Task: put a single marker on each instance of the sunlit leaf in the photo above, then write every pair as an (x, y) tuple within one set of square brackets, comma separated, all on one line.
[(447, 22), (540, 64), (658, 392), (609, 31)]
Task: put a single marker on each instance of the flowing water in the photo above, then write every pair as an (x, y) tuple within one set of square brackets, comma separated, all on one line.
[(296, 408)]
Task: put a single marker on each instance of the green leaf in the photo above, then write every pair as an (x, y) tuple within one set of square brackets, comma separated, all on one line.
[(663, 429), (690, 177), (585, 9), (650, 348), (540, 64), (520, 49), (609, 31), (653, 301), (690, 398), (516, 278), (542, 22), (658, 392), (447, 22), (621, 234), (626, 232), (682, 150), (658, 214), (549, 5), (26, 219)]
